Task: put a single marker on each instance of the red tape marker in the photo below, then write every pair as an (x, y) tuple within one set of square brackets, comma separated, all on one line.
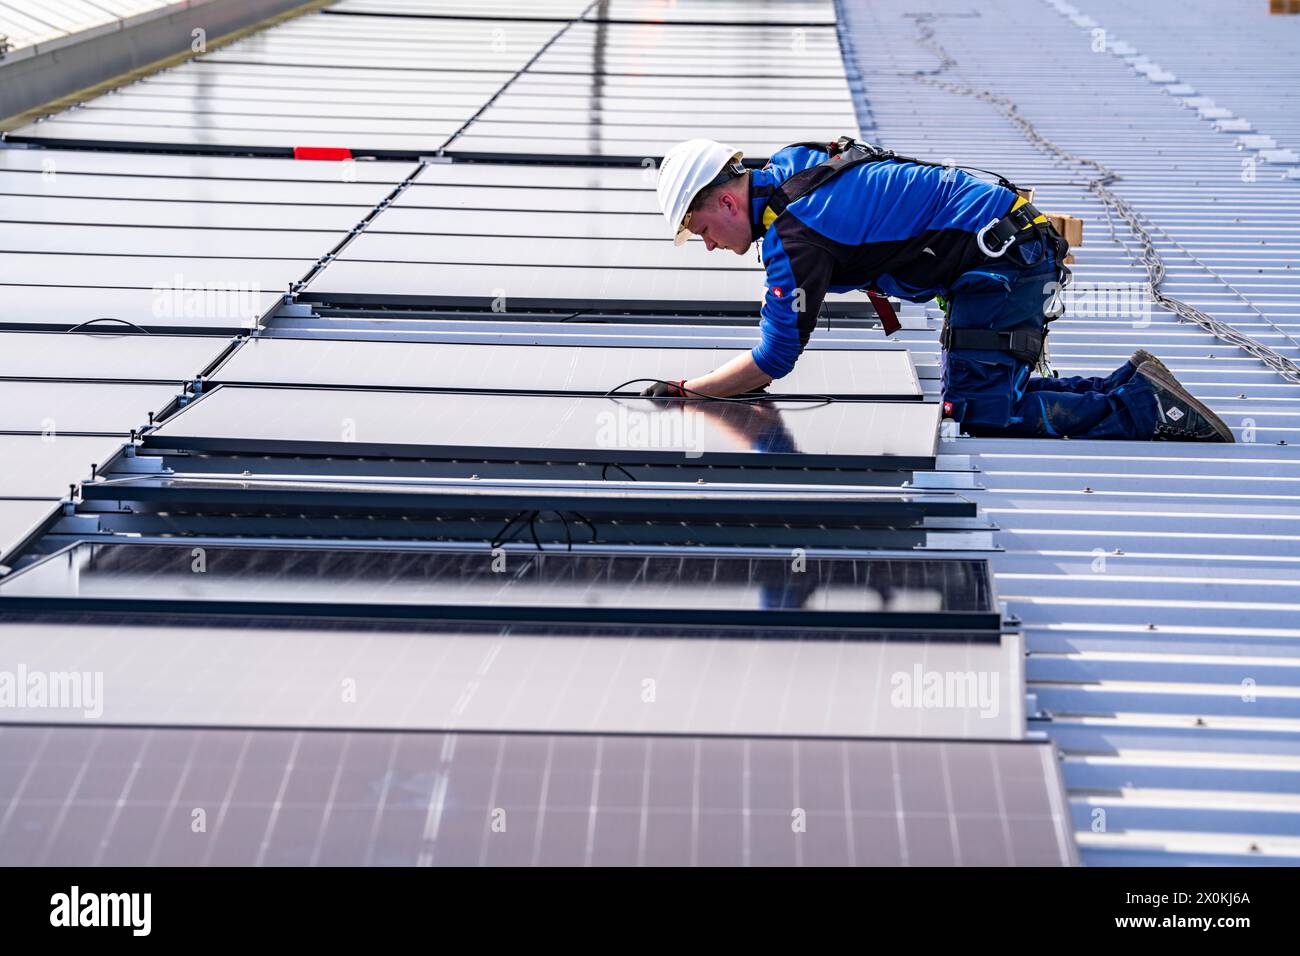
[(321, 152)]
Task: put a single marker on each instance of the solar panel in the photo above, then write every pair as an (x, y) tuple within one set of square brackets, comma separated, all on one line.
[(281, 195), (151, 272), (579, 198), (487, 9), (288, 120), (54, 408), (548, 679), (123, 796), (508, 286), (694, 11), (153, 166), (18, 517), (546, 368), (190, 215), (64, 132), (533, 101), (463, 56), (851, 435), (479, 140), (107, 355), (585, 252), (516, 222), (197, 308), (113, 240), (32, 466), (475, 584)]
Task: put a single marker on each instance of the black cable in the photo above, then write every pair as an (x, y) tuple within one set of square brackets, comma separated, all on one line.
[(608, 465), (532, 529), (589, 523), (499, 540), (108, 318), (819, 399)]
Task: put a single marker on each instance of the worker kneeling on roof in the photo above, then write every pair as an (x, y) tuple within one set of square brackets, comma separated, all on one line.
[(852, 216)]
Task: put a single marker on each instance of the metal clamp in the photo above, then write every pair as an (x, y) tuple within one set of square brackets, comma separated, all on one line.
[(979, 241)]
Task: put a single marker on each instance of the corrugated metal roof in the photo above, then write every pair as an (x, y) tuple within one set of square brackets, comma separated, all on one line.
[(1156, 582)]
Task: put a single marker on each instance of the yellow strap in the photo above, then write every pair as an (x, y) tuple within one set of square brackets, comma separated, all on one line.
[(1020, 201), (769, 217)]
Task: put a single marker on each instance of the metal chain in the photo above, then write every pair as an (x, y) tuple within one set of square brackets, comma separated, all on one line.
[(1099, 185)]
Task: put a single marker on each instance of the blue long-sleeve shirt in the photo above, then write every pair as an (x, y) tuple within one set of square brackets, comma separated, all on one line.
[(903, 228)]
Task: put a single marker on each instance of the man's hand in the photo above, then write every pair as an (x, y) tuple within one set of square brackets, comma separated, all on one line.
[(665, 390), (737, 377)]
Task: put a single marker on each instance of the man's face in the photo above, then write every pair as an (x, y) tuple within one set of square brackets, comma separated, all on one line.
[(723, 221)]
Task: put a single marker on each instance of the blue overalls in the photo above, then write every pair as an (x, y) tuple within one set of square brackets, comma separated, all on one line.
[(908, 230)]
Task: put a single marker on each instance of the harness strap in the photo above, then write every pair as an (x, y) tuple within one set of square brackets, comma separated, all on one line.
[(846, 153), (1024, 344)]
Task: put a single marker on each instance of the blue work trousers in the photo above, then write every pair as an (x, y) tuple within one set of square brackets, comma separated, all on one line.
[(993, 393)]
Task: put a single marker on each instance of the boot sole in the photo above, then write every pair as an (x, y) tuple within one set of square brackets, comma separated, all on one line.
[(1172, 384), (1140, 361)]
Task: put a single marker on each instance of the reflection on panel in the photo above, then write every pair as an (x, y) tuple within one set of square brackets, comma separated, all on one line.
[(551, 427)]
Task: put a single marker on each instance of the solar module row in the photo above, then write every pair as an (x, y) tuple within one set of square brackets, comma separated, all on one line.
[(169, 241), (362, 445), (466, 235), (125, 796), (409, 84), (830, 598), (486, 677)]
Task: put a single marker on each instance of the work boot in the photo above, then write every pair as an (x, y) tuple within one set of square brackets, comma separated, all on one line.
[(1142, 355), (1181, 417)]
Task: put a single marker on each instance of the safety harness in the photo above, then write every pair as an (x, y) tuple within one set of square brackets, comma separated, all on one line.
[(1022, 222)]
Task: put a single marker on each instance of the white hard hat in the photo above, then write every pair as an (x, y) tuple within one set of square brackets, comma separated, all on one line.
[(687, 169)]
